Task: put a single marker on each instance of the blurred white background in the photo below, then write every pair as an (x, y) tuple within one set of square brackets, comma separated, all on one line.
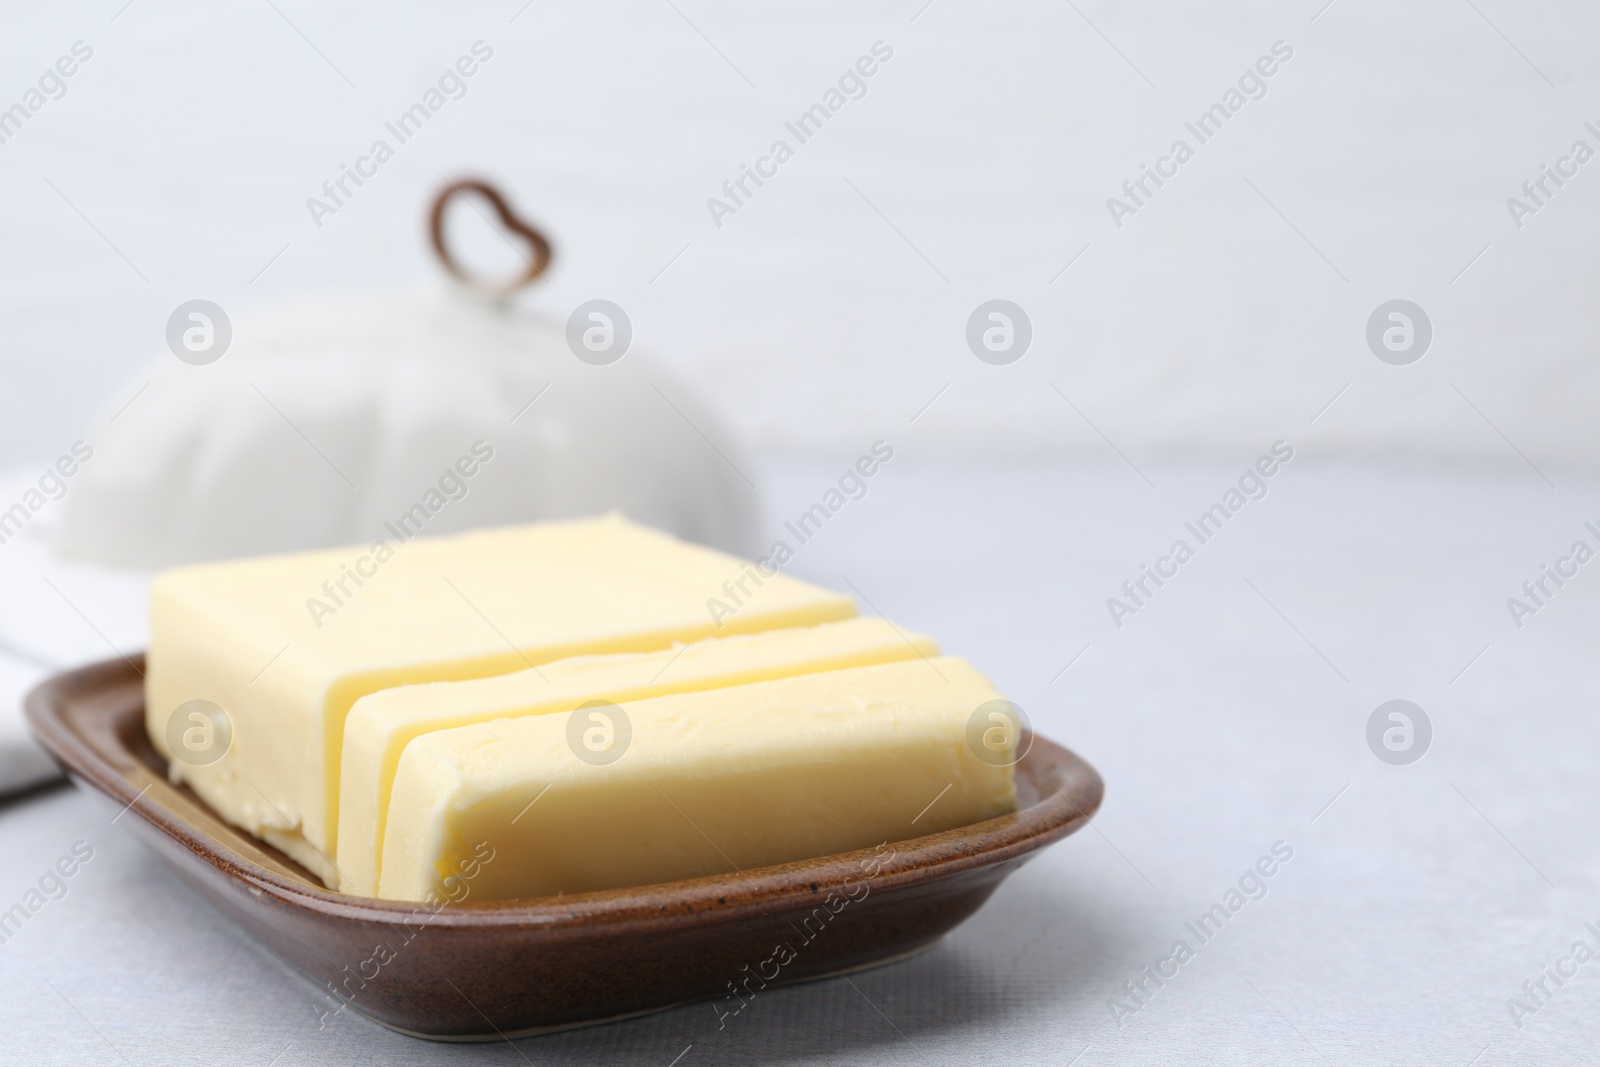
[(831, 308)]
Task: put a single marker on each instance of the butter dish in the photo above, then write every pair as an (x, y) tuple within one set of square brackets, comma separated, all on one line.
[(464, 970)]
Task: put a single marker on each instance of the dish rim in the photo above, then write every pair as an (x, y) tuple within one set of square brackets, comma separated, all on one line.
[(140, 790)]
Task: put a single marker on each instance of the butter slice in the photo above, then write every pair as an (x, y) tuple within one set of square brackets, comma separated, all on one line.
[(710, 782), (250, 636), (380, 726)]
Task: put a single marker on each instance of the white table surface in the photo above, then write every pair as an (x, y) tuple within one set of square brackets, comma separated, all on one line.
[(1414, 906)]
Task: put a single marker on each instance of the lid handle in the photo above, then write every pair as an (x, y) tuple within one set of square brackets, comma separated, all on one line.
[(537, 243)]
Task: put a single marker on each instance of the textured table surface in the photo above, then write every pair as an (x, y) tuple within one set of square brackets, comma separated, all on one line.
[(1227, 715)]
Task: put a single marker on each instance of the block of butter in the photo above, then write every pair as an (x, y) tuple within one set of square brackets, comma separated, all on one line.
[(284, 645), (380, 725), (709, 782)]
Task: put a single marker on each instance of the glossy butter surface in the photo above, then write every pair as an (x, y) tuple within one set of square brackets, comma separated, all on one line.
[(381, 725), (285, 645), (713, 781)]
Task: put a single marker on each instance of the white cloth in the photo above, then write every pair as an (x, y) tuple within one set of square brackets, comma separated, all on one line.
[(1396, 934), (54, 613)]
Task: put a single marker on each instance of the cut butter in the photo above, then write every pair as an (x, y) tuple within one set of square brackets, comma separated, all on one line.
[(380, 726), (284, 645), (709, 782)]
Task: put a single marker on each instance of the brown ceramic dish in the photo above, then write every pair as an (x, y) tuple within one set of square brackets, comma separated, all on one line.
[(490, 970)]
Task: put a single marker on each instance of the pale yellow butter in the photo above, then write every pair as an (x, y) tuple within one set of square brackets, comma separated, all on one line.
[(379, 726), (286, 644), (710, 782)]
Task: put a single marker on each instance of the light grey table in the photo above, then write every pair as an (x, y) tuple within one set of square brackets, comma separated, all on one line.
[(1228, 714)]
